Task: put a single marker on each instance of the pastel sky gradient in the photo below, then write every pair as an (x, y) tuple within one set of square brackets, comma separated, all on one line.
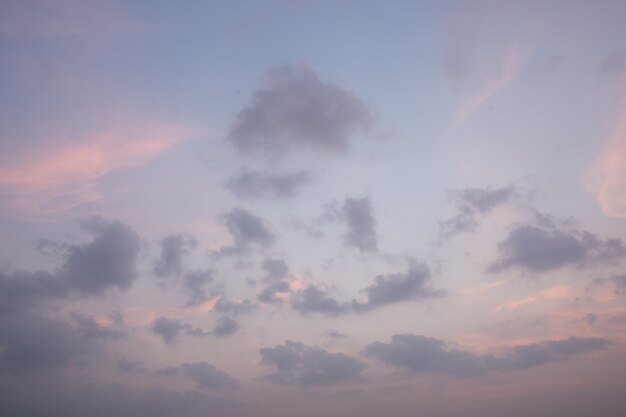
[(312, 208)]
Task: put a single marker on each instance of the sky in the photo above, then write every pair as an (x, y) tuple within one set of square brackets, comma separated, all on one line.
[(312, 208)]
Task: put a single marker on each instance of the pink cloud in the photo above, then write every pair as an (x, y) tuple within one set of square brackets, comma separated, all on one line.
[(606, 178), (547, 294), (505, 72), (55, 178)]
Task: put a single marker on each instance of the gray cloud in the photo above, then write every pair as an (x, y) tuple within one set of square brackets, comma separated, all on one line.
[(246, 230), (619, 319), (472, 203), (275, 279), (33, 343), (416, 353), (539, 249), (309, 365), (254, 185), (108, 261), (195, 283), (399, 287), (225, 326), (208, 376), (126, 366), (358, 215), (295, 111), (313, 300), (234, 308), (620, 282), (173, 248), (170, 329)]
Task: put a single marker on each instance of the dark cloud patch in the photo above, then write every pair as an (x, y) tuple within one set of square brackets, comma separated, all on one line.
[(170, 329), (591, 318), (359, 217), (33, 343), (255, 185), (271, 293), (208, 376), (168, 371), (539, 249), (246, 230), (126, 366), (196, 285), (309, 365), (234, 308), (472, 203), (314, 300), (275, 281), (173, 249), (92, 330), (108, 261), (416, 353), (618, 320), (226, 326), (295, 111), (399, 287), (620, 282)]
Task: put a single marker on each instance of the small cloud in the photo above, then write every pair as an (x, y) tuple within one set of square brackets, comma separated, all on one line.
[(359, 217), (255, 185), (247, 230)]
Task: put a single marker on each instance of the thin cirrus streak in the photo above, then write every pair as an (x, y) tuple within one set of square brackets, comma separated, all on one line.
[(547, 294), (57, 179), (606, 178), (506, 71)]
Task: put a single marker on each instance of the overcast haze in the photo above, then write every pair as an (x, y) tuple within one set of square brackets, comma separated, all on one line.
[(312, 208)]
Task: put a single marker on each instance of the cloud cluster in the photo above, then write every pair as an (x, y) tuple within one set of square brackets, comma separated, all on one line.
[(416, 353), (296, 111), (472, 203), (173, 249), (309, 365), (256, 185), (540, 248), (359, 217), (247, 230)]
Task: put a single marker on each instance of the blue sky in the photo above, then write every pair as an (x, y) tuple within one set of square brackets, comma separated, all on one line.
[(312, 208)]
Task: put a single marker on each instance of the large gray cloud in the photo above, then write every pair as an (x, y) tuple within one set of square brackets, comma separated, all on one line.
[(34, 343), (399, 287), (246, 230), (358, 215), (208, 376), (314, 300), (386, 289), (170, 329), (539, 248), (254, 185), (416, 353), (309, 365), (296, 111), (108, 261), (472, 203), (173, 248)]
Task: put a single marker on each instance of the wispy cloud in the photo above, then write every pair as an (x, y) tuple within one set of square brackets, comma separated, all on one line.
[(606, 178), (547, 294), (504, 73), (60, 177)]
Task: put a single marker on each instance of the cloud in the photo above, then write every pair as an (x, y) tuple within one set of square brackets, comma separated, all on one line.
[(295, 111), (208, 376), (505, 72), (170, 329), (225, 327), (416, 353), (313, 300), (398, 287), (472, 203), (547, 294), (606, 177), (255, 185), (246, 230), (276, 281), (620, 282), (173, 248), (539, 249), (196, 283), (235, 308), (108, 261), (309, 365), (56, 178), (126, 366), (358, 215), (33, 343)]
